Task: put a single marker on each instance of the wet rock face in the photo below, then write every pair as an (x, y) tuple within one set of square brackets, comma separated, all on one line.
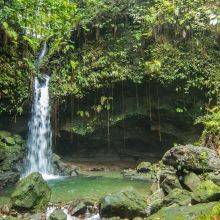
[(62, 168), (125, 204), (12, 151), (32, 194), (192, 158), (168, 180)]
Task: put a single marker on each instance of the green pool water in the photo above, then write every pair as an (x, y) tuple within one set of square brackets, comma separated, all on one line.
[(90, 188)]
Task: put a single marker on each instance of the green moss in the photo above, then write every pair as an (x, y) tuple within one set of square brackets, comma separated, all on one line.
[(31, 194), (12, 150), (125, 204), (207, 191), (212, 214), (185, 212)]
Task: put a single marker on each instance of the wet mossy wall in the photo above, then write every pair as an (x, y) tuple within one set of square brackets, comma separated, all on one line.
[(127, 119)]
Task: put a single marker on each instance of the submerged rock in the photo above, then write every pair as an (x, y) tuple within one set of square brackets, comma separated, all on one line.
[(206, 191), (124, 204), (134, 175), (31, 194), (58, 214), (192, 158)]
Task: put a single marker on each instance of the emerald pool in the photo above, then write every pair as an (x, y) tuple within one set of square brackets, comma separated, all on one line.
[(90, 187)]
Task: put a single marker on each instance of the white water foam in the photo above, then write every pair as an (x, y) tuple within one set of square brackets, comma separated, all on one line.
[(88, 215)]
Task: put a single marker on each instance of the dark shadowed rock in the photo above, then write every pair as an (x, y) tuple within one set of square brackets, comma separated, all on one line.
[(78, 209), (168, 180), (8, 178), (31, 194), (192, 158), (144, 167)]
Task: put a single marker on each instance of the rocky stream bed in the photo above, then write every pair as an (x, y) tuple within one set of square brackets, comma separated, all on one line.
[(184, 184)]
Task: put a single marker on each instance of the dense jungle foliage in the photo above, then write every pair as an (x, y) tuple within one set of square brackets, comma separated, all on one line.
[(96, 44)]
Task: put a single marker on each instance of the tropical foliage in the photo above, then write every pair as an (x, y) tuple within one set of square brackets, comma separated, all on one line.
[(97, 43)]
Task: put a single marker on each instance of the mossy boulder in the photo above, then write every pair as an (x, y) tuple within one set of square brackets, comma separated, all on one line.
[(58, 214), (144, 167), (177, 196), (206, 191), (199, 211), (191, 181), (124, 204), (192, 158), (31, 194)]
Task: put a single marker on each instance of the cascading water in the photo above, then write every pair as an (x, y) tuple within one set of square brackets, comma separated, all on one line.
[(39, 157)]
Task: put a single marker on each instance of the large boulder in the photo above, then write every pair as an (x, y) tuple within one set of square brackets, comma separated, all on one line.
[(191, 181), (206, 191), (124, 204), (199, 211), (31, 194), (58, 214), (192, 158)]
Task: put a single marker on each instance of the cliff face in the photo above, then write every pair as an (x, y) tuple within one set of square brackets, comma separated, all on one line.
[(128, 121)]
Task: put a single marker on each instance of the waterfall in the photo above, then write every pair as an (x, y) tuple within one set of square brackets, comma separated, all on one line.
[(39, 143)]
